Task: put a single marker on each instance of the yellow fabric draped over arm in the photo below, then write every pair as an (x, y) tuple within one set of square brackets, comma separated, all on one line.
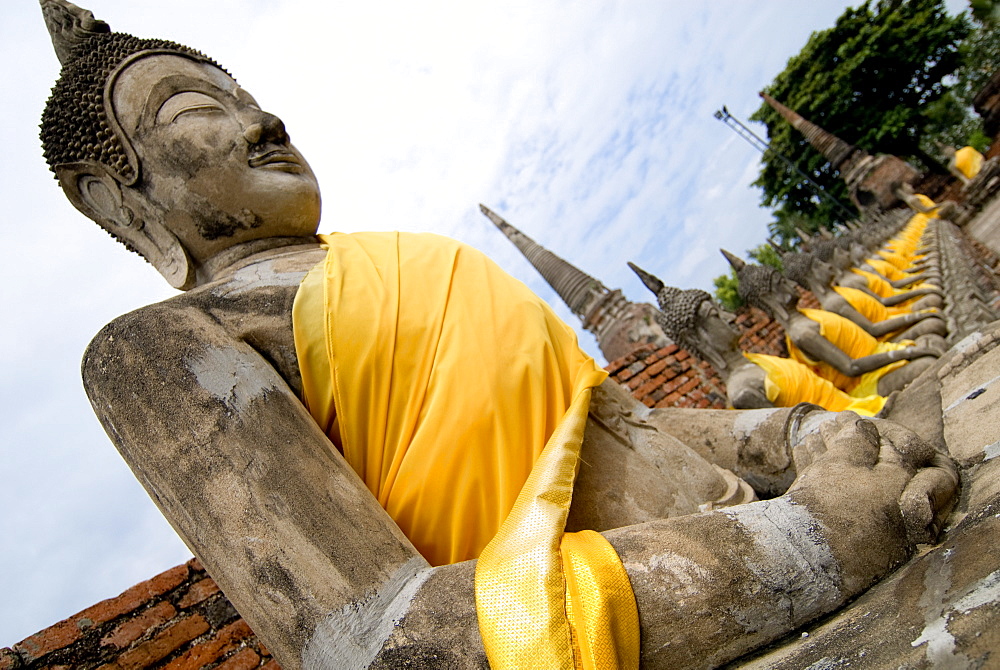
[(869, 307), (789, 382), (883, 289), (886, 269), (853, 341), (449, 386)]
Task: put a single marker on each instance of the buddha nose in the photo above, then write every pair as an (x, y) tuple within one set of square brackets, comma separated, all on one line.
[(263, 127)]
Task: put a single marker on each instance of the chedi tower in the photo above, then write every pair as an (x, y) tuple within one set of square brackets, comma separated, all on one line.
[(619, 325), (872, 181)]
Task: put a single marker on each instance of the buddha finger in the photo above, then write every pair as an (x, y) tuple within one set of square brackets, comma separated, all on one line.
[(927, 500), (852, 439)]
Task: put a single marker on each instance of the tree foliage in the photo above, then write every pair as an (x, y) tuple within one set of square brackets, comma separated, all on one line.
[(727, 291), (949, 118), (868, 80), (765, 254)]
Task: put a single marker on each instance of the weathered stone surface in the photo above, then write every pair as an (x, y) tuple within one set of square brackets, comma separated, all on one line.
[(942, 608)]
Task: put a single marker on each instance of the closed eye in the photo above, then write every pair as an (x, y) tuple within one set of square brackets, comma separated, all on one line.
[(195, 109), (188, 102)]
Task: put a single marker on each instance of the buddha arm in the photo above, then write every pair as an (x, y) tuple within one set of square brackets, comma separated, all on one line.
[(325, 577), (711, 587), (895, 323), (806, 337), (908, 295), (248, 480), (832, 301), (907, 281)]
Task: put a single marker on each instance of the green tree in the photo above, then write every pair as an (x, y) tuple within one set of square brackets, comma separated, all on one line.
[(786, 226), (727, 291), (950, 120), (765, 254), (868, 80)]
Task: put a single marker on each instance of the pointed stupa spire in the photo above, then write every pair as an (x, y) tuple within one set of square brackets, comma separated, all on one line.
[(836, 150), (652, 282), (619, 325), (574, 286)]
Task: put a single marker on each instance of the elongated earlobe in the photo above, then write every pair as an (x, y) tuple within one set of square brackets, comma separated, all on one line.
[(120, 211)]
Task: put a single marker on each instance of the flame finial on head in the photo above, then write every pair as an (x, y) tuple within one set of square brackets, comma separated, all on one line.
[(70, 26)]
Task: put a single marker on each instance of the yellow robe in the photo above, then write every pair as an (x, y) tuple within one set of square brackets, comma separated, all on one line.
[(853, 341), (883, 289), (925, 201), (460, 400), (789, 382), (968, 161), (869, 307), (876, 284), (886, 269)]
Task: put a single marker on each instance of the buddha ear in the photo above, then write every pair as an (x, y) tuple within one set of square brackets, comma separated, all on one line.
[(709, 349), (124, 212)]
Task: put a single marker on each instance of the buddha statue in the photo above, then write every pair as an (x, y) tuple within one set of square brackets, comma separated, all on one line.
[(834, 347), (963, 164), (848, 275), (693, 320), (270, 408), (860, 307)]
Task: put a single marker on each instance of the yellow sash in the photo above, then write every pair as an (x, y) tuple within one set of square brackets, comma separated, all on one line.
[(459, 397), (850, 338), (789, 382)]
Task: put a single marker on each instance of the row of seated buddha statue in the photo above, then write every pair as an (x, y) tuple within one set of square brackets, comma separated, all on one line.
[(879, 327)]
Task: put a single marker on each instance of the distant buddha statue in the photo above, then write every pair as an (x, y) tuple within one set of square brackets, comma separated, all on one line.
[(964, 163), (875, 285), (858, 306), (832, 346), (331, 422), (693, 320)]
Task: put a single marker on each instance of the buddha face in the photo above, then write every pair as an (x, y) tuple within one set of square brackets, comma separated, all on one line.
[(823, 272), (716, 329), (841, 259), (214, 167)]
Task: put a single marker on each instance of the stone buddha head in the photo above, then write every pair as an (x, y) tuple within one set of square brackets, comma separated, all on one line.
[(765, 288), (162, 148), (829, 252), (806, 270), (693, 320)]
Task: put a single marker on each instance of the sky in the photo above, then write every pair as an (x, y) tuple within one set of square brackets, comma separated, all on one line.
[(588, 125)]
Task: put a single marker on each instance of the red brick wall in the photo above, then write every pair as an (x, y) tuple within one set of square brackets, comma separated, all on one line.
[(178, 620), (673, 377), (669, 377)]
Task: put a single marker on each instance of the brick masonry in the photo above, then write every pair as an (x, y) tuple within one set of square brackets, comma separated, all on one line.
[(673, 377), (178, 620)]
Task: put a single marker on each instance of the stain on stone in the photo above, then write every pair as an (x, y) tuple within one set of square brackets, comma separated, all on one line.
[(231, 376), (218, 611), (355, 635), (418, 657)]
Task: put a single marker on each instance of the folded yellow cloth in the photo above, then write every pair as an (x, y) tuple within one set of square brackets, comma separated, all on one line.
[(459, 398)]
